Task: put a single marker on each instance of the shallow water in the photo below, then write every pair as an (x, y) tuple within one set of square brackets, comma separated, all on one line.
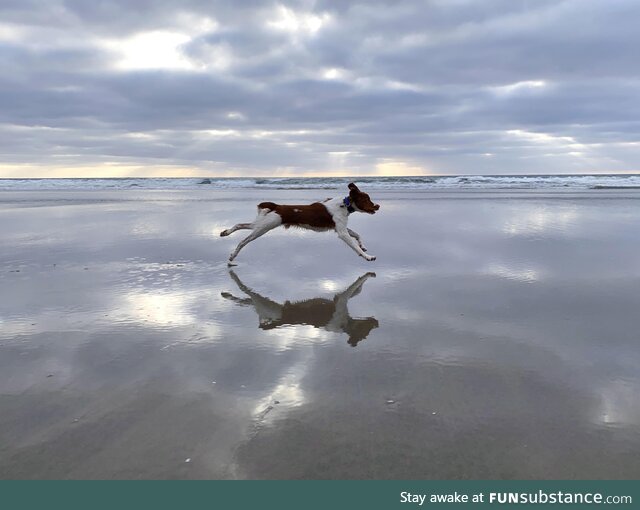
[(496, 336)]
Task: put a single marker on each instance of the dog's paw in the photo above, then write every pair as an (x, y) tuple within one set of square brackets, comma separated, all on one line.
[(363, 248), (224, 233), (231, 263), (370, 258)]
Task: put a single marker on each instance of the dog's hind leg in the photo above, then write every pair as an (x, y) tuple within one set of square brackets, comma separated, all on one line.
[(260, 227), (240, 301), (262, 212), (239, 226), (268, 310)]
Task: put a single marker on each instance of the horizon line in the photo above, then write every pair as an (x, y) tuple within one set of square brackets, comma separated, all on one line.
[(378, 176)]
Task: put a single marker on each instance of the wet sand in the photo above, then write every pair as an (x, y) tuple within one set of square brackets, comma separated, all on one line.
[(498, 338)]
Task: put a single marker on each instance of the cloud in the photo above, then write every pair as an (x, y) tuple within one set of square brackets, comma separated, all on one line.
[(319, 87)]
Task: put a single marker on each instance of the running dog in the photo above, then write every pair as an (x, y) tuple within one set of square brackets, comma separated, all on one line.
[(332, 214)]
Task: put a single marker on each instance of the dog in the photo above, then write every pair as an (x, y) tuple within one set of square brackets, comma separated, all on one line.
[(322, 313), (332, 214)]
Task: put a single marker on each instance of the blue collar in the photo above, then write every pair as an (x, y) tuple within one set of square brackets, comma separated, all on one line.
[(347, 203)]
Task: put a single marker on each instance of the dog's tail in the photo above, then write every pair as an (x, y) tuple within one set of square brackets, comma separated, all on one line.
[(267, 205)]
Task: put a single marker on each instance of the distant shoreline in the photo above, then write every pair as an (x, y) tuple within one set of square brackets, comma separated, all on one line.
[(414, 183)]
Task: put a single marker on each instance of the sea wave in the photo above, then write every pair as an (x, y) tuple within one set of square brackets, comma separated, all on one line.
[(442, 182)]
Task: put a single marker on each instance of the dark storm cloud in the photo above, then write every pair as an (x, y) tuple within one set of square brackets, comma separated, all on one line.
[(310, 87)]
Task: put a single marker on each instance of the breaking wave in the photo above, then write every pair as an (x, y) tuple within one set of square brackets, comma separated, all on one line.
[(442, 182)]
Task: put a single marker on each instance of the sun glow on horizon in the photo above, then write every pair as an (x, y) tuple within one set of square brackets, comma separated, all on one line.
[(386, 168), (396, 168), (99, 171)]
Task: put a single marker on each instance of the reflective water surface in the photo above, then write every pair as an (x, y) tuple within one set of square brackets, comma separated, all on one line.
[(497, 338)]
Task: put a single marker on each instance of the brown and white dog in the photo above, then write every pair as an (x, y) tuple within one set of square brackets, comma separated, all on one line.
[(332, 214)]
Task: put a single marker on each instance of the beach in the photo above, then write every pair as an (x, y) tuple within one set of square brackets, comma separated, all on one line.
[(495, 337)]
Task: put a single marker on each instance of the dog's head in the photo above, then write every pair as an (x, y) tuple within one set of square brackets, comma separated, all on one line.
[(359, 329), (361, 200)]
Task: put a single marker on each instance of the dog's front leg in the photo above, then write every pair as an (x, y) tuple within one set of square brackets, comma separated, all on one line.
[(353, 244), (356, 236)]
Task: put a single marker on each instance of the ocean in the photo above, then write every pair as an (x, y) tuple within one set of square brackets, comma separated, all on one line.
[(443, 182)]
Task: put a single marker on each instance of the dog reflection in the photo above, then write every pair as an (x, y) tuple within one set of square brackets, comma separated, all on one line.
[(329, 314)]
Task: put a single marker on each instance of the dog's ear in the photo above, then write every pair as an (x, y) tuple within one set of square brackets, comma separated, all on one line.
[(353, 187)]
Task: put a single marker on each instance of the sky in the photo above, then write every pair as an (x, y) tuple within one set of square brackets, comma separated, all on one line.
[(114, 88)]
